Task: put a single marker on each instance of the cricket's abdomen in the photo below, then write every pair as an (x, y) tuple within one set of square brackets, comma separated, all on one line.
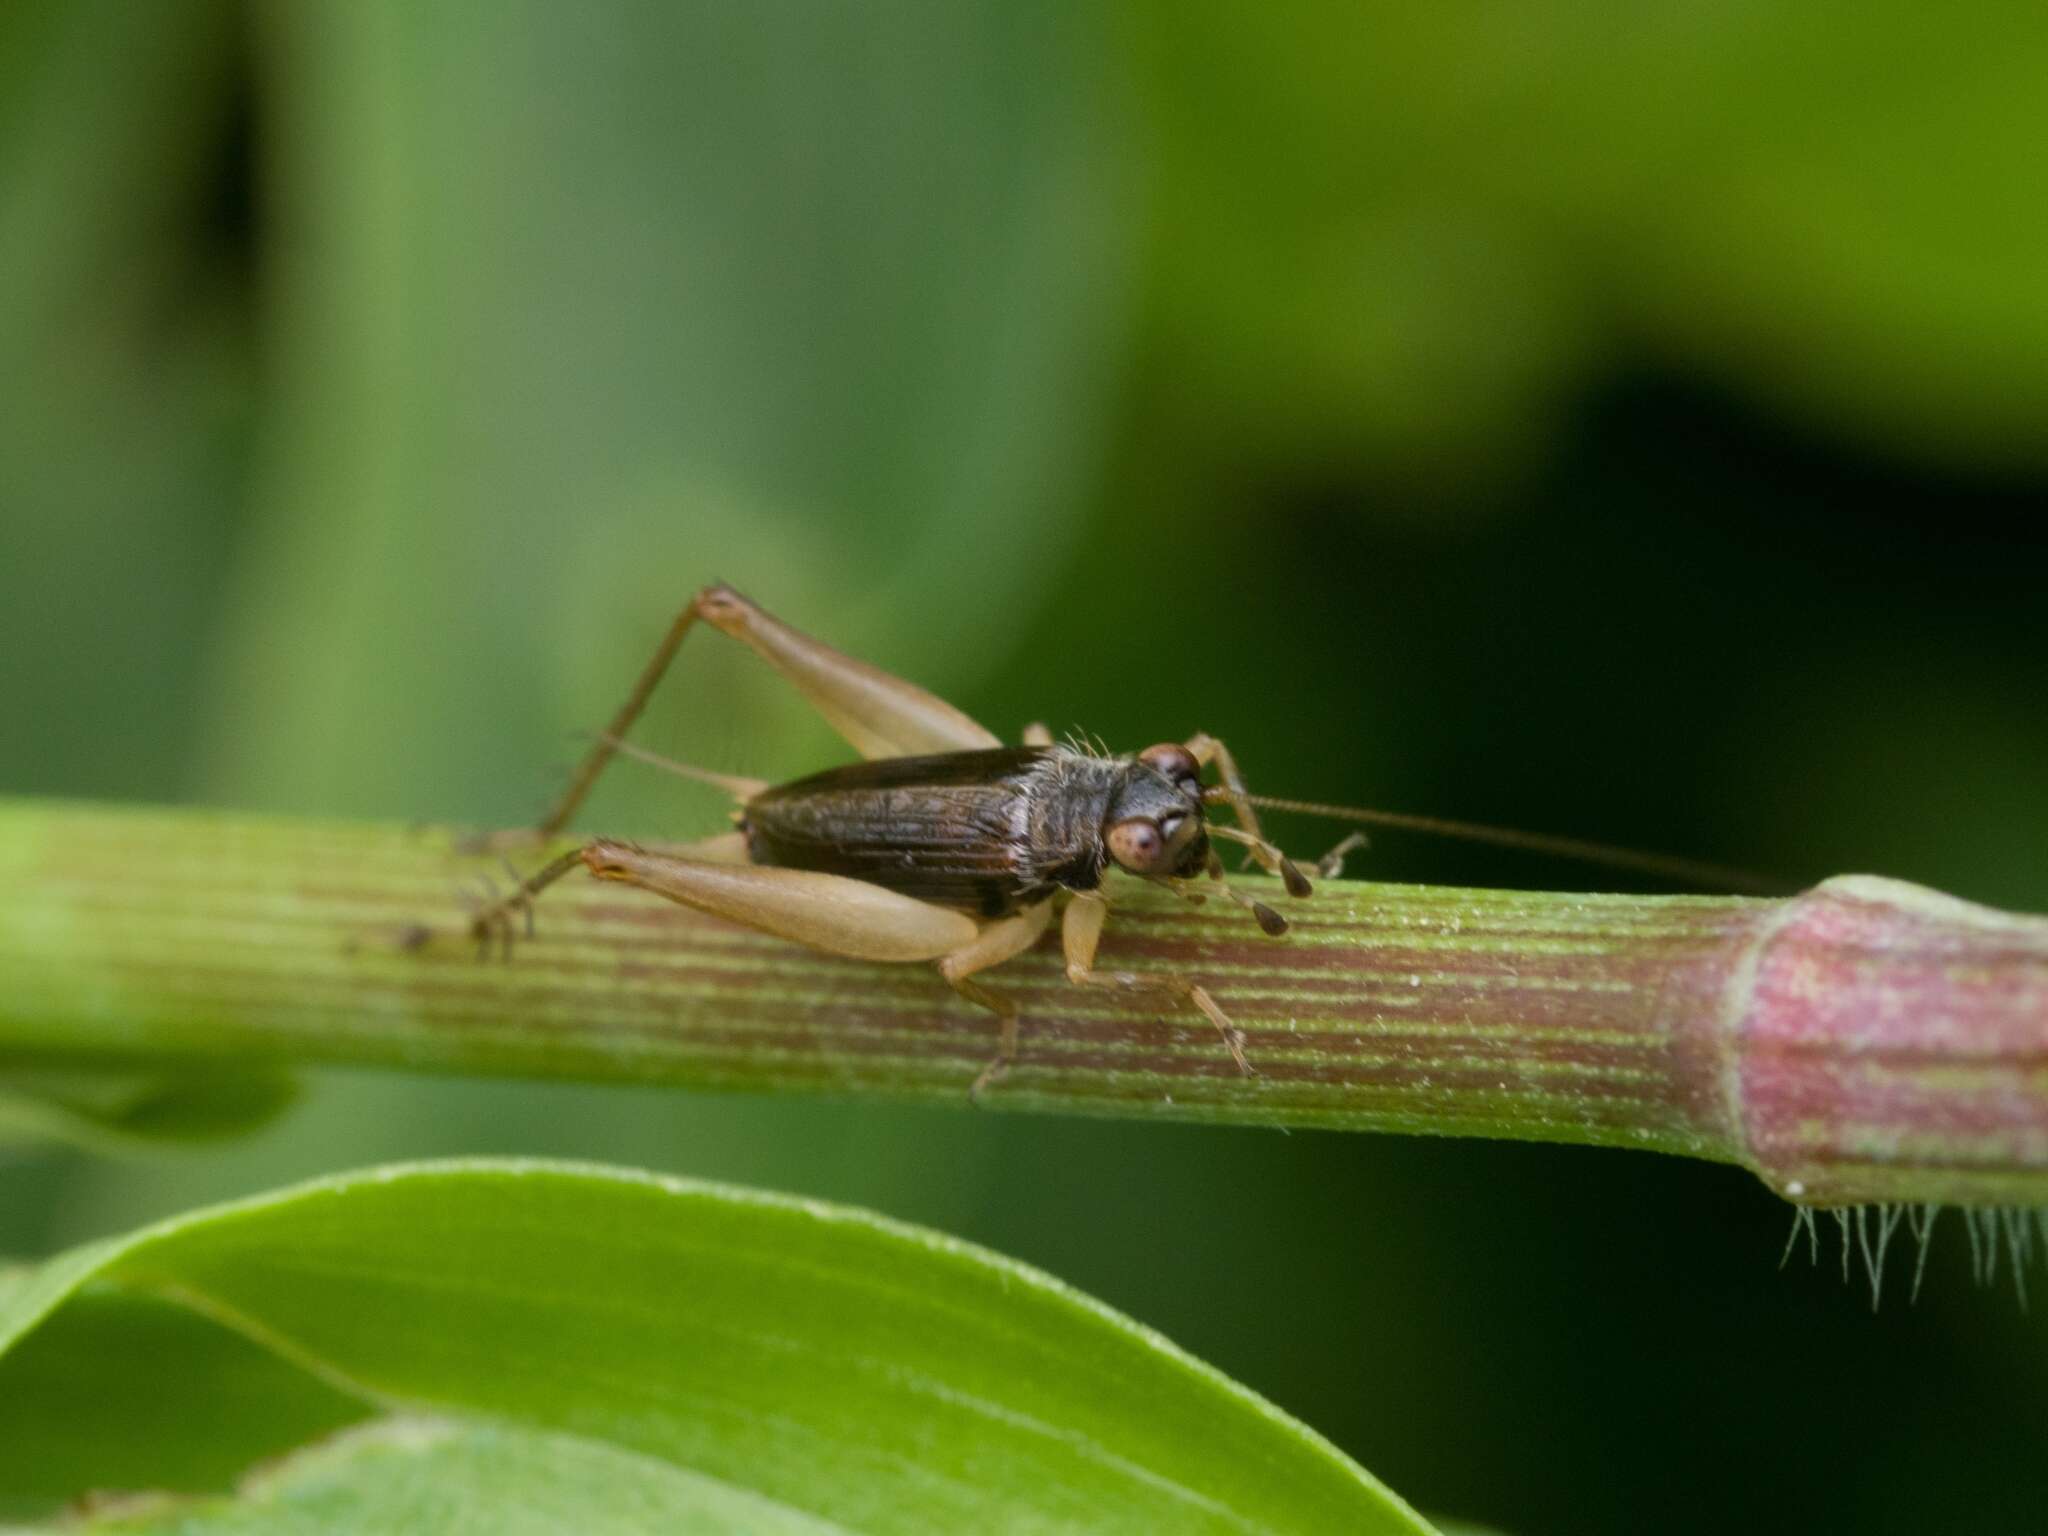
[(956, 829)]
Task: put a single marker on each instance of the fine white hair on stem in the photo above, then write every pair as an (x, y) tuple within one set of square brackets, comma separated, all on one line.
[(1920, 1219), (1802, 1221), (2019, 1242), (1866, 1233)]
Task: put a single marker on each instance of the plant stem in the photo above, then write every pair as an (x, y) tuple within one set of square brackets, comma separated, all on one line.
[(1868, 1040)]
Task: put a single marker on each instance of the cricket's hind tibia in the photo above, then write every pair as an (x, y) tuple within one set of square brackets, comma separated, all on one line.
[(493, 924), (880, 715)]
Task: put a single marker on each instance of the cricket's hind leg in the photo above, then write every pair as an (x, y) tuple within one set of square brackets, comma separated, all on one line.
[(1001, 940), (494, 924), (842, 917), (833, 914), (1082, 930), (881, 715), (825, 912)]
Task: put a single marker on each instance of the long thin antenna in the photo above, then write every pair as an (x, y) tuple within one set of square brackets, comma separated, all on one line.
[(1688, 871)]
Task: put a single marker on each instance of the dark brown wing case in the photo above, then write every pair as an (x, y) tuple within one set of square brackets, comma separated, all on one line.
[(953, 829)]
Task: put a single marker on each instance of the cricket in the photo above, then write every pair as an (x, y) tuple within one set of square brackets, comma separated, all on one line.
[(944, 846)]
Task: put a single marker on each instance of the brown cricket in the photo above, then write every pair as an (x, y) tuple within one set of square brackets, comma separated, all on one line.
[(943, 846)]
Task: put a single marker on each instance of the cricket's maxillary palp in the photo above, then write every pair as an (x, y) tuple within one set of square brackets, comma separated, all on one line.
[(1271, 859), (1272, 922)]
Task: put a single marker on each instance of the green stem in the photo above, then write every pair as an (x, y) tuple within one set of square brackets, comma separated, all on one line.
[(1867, 1040)]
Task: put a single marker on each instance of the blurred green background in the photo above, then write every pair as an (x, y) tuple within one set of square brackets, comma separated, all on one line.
[(1623, 422)]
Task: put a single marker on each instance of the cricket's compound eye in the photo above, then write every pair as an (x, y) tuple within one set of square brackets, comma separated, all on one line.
[(1138, 845), (1176, 762)]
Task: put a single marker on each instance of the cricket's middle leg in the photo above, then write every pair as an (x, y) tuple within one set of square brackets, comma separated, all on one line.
[(1001, 940), (1082, 930)]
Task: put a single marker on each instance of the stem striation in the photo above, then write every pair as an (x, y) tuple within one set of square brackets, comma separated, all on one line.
[(1866, 1041)]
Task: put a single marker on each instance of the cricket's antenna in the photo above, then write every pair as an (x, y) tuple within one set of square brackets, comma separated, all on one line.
[(1688, 871)]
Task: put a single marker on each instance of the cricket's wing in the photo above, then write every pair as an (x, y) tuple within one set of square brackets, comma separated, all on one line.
[(951, 829)]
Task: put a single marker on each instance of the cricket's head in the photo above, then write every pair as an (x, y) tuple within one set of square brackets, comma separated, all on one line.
[(1155, 823)]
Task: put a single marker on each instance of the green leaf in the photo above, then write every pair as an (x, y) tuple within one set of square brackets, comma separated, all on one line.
[(433, 1474), (834, 1364), (188, 1403), (118, 1112)]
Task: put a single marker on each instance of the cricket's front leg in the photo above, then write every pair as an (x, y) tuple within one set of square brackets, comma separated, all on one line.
[(1082, 930), (999, 941), (1206, 750)]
